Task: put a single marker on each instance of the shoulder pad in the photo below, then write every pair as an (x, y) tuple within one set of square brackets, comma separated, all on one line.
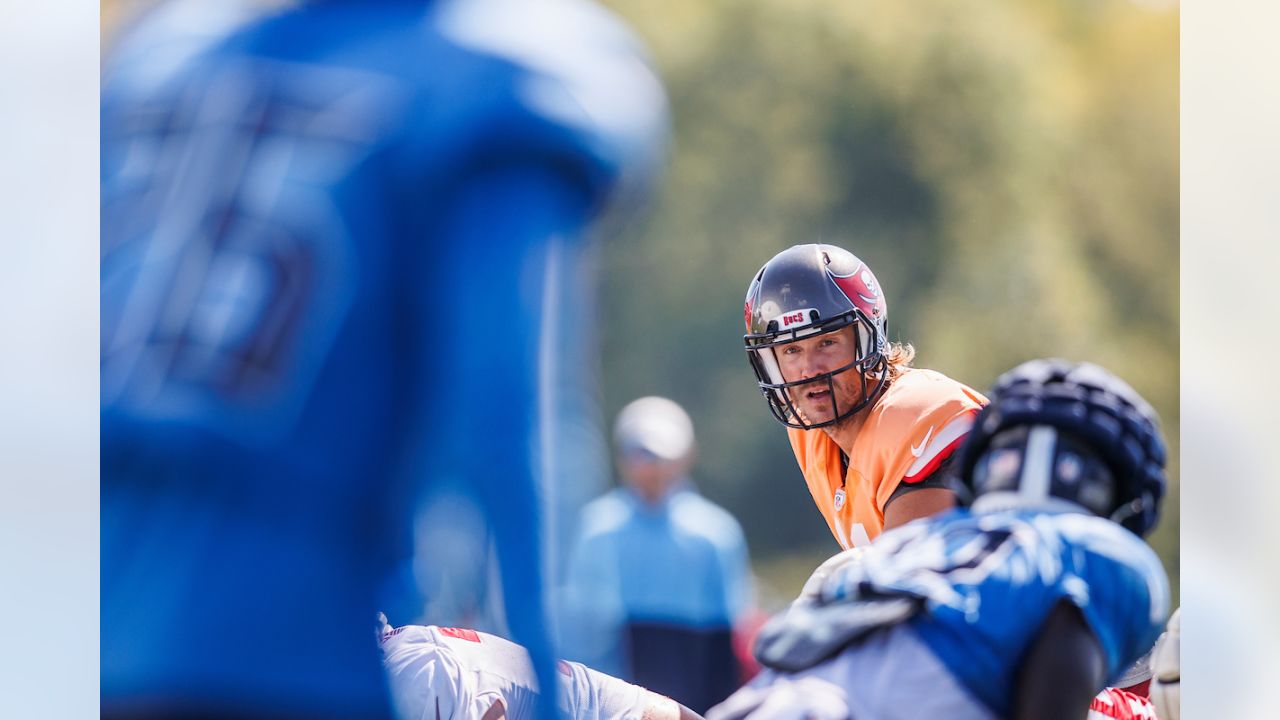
[(936, 445), (920, 390), (925, 416), (809, 633)]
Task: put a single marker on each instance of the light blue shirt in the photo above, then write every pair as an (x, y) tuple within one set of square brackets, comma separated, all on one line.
[(681, 561)]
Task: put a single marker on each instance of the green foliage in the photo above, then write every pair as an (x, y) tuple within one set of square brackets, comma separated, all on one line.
[(1009, 169)]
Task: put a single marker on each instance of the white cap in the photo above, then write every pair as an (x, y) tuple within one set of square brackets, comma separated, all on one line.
[(654, 425)]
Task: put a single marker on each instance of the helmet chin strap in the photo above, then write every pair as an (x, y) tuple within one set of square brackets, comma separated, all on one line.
[(1130, 509)]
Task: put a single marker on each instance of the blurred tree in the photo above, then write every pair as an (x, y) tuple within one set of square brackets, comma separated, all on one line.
[(1009, 169)]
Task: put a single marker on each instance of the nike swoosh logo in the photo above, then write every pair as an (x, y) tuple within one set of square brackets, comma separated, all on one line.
[(917, 450)]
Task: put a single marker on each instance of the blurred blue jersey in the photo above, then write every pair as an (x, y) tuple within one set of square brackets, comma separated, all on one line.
[(990, 579), (327, 238)]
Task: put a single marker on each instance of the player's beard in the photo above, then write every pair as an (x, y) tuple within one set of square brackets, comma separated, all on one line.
[(846, 391)]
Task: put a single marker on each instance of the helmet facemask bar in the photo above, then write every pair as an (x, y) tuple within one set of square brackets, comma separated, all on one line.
[(761, 352)]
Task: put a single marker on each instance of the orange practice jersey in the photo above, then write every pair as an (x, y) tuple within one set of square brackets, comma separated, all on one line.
[(917, 423)]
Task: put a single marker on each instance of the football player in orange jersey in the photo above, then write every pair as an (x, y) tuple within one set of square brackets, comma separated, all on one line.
[(873, 436)]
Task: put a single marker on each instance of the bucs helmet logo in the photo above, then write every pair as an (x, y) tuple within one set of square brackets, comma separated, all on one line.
[(863, 291), (809, 290)]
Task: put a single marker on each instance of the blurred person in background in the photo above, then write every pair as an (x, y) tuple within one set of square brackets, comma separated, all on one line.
[(460, 674), (874, 437), (659, 574), (328, 237), (1024, 605)]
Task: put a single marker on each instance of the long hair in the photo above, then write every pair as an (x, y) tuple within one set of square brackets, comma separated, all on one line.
[(900, 356)]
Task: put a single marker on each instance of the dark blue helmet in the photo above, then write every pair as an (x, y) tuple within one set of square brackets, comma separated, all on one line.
[(1070, 431), (809, 290)]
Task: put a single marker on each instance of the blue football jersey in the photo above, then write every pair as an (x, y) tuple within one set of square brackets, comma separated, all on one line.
[(330, 244), (989, 580)]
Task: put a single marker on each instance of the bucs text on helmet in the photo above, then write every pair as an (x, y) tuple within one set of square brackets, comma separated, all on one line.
[(806, 291), (1068, 431)]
